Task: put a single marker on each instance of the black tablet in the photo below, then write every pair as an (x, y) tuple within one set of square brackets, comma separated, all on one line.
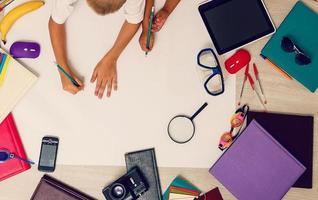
[(235, 23)]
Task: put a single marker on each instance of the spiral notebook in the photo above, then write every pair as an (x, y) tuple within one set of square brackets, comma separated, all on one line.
[(256, 166), (15, 83)]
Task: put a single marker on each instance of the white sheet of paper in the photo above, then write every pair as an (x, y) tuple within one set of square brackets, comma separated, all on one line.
[(151, 91), (17, 81)]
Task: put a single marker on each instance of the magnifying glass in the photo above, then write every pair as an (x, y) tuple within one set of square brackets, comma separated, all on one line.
[(6, 155), (181, 128)]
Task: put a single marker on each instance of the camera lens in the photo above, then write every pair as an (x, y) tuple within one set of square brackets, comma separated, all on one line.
[(118, 191)]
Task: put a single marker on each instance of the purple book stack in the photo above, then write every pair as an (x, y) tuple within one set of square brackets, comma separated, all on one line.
[(257, 167)]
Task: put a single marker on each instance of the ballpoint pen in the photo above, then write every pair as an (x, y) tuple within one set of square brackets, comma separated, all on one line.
[(68, 75), (150, 28), (250, 79), (22, 159), (259, 82), (243, 85)]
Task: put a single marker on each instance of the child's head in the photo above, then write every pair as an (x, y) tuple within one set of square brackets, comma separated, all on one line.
[(103, 7)]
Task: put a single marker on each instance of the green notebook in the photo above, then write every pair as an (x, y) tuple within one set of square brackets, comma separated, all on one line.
[(301, 25)]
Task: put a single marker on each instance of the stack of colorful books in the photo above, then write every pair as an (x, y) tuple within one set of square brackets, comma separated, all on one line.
[(4, 61), (181, 189)]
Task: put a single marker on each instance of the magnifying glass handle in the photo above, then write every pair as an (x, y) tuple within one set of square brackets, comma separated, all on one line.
[(199, 111), (24, 160)]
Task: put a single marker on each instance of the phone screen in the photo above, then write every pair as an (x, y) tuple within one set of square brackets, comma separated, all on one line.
[(48, 155)]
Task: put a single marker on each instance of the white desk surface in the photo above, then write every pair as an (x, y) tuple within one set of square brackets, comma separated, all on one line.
[(283, 96), (151, 91)]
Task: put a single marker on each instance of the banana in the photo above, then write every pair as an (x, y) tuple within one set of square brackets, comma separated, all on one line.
[(17, 12)]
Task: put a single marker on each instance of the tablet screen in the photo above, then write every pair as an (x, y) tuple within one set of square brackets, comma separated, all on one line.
[(233, 23)]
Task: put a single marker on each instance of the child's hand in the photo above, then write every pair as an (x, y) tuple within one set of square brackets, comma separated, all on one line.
[(160, 19), (68, 86), (105, 75), (143, 41)]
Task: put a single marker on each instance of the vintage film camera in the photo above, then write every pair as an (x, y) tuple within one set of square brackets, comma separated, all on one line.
[(128, 187)]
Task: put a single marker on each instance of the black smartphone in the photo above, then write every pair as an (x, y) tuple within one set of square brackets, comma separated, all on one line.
[(48, 154)]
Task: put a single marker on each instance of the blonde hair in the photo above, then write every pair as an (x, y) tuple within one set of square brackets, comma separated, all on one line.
[(103, 7)]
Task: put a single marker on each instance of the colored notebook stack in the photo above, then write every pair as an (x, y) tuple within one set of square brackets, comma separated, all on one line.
[(145, 160), (16, 81), (50, 188), (256, 166), (4, 61), (181, 189), (295, 133), (301, 27), (10, 141)]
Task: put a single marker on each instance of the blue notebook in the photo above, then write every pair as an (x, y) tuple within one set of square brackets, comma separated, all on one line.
[(301, 26)]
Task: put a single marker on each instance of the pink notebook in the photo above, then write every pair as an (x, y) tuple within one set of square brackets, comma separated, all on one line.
[(10, 141)]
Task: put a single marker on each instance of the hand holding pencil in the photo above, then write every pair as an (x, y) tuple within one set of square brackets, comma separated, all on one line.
[(70, 82), (146, 39), (143, 41)]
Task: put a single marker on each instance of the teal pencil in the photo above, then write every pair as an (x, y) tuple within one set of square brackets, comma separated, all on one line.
[(150, 27), (67, 75)]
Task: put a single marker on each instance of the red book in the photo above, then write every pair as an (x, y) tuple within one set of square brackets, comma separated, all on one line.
[(10, 141)]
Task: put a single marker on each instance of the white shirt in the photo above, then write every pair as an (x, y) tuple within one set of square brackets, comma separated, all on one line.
[(134, 10)]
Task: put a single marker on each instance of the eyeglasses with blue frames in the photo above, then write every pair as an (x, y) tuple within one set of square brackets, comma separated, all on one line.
[(212, 73), (6, 155)]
